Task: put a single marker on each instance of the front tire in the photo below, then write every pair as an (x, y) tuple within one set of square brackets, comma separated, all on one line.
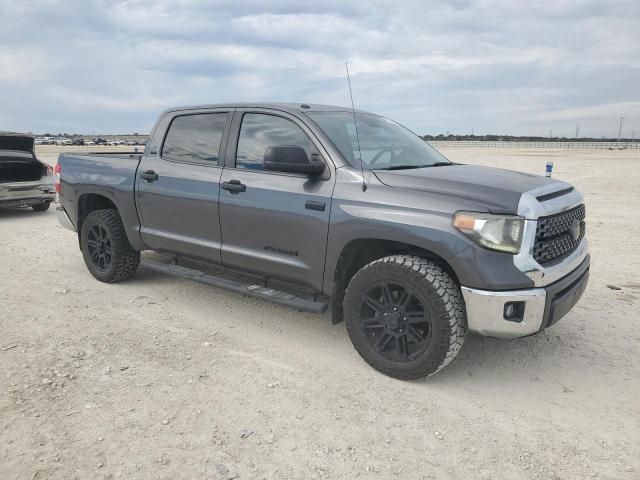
[(405, 316), (106, 250)]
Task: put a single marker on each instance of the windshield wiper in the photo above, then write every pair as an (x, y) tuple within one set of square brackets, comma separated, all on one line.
[(403, 167), (442, 164), (410, 167)]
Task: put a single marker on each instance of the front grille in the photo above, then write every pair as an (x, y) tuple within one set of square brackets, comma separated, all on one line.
[(558, 235)]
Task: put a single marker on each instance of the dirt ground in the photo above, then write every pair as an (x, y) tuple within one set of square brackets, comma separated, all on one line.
[(161, 378)]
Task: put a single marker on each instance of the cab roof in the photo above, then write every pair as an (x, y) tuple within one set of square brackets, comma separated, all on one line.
[(282, 106)]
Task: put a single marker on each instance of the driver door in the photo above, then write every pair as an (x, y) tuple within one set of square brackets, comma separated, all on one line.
[(273, 223)]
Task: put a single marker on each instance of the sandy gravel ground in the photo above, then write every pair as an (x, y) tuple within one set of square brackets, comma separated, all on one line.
[(159, 378)]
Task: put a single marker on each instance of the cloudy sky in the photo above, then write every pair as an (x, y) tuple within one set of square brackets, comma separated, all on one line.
[(500, 66)]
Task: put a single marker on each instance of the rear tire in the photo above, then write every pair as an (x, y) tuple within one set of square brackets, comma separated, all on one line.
[(106, 250), (405, 316), (41, 207)]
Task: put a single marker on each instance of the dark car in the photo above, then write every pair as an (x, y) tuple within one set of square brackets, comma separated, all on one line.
[(24, 180)]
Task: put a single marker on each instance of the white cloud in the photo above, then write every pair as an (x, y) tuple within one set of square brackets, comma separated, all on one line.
[(494, 65)]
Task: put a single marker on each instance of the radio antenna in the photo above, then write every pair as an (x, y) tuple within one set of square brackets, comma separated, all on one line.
[(355, 121)]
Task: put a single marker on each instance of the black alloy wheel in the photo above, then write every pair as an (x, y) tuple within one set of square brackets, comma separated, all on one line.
[(99, 247), (105, 247), (405, 315), (394, 321)]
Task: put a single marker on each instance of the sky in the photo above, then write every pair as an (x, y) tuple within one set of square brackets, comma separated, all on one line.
[(487, 66)]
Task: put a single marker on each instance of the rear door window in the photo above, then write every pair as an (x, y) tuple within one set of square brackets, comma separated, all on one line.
[(195, 138)]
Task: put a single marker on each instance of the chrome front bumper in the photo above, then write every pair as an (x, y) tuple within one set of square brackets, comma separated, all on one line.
[(541, 307), (64, 220), (485, 312)]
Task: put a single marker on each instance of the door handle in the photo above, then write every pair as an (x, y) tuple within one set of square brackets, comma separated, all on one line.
[(314, 205), (234, 186), (149, 175)]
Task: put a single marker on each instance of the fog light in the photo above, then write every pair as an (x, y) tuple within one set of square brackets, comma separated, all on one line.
[(514, 311)]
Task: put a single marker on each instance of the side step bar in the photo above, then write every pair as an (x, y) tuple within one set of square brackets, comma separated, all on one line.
[(252, 290)]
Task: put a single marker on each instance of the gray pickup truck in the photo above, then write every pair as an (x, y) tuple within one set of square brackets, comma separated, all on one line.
[(24, 180), (321, 207)]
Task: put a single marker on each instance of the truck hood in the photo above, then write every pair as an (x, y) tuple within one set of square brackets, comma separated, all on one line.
[(496, 189), (16, 142)]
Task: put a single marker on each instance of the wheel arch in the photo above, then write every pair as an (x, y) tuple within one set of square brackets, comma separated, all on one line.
[(92, 201), (97, 198), (360, 252), (89, 202)]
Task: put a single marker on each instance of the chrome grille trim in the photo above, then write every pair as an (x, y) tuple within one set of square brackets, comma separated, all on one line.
[(554, 236), (531, 209)]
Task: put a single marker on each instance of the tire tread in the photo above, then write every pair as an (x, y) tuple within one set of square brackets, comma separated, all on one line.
[(126, 258), (449, 303)]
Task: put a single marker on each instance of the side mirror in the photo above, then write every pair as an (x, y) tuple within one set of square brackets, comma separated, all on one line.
[(291, 159)]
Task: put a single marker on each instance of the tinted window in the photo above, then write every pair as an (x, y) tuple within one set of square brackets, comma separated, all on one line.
[(195, 138), (259, 132)]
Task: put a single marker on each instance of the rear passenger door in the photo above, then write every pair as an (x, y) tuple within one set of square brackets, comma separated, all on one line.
[(273, 223), (178, 185)]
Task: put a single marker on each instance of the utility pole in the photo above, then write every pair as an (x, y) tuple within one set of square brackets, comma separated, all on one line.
[(620, 128), (550, 133), (577, 131)]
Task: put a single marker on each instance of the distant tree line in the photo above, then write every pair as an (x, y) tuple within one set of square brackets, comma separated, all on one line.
[(516, 138), (136, 134)]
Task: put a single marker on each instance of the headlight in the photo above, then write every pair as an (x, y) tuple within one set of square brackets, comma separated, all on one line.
[(496, 232)]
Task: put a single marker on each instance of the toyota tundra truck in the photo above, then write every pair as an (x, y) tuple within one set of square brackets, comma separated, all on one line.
[(320, 207)]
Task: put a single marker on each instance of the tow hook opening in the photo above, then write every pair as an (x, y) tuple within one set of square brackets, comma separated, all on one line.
[(514, 311)]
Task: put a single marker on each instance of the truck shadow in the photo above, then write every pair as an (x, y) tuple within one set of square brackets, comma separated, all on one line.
[(482, 361), (27, 213), (521, 361)]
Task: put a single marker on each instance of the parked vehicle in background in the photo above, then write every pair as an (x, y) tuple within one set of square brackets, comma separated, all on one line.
[(411, 250), (24, 180)]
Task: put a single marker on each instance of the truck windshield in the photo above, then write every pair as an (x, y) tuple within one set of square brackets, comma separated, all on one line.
[(384, 144)]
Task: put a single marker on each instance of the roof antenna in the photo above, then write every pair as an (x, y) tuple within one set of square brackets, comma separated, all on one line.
[(353, 109)]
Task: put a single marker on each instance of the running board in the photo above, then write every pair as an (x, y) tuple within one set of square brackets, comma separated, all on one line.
[(252, 290)]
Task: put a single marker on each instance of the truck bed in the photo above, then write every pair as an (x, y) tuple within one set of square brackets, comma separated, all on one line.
[(106, 176), (137, 155)]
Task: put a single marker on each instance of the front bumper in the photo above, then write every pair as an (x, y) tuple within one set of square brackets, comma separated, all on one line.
[(537, 308)]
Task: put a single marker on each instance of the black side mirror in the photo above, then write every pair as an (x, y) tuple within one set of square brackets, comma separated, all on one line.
[(291, 159)]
